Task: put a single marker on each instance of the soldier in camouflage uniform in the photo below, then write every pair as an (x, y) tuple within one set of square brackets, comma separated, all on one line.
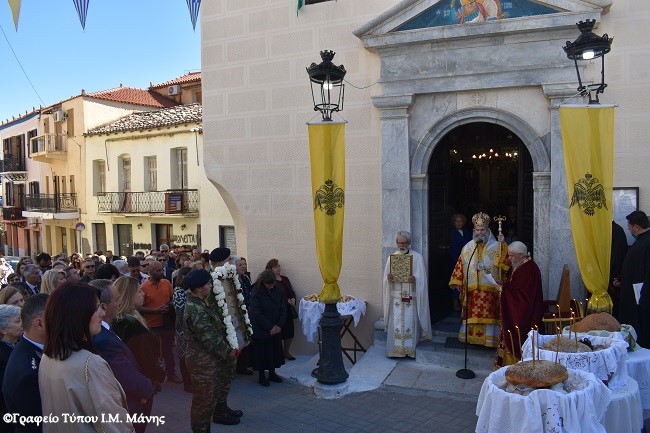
[(222, 413), (207, 349)]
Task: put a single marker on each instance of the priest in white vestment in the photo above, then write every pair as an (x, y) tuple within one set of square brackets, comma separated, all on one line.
[(406, 304)]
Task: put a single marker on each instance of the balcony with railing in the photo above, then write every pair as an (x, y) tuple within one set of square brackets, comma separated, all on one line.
[(51, 206), (169, 202), (48, 146), (10, 164), (13, 213)]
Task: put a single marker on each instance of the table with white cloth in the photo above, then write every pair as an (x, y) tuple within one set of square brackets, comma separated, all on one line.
[(638, 367), (543, 410), (310, 312)]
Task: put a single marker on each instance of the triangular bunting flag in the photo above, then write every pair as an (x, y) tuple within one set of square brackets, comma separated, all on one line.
[(194, 6), (299, 6), (82, 11), (15, 10)]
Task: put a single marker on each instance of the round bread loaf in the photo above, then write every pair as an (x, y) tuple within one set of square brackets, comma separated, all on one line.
[(537, 374), (597, 322), (566, 345)]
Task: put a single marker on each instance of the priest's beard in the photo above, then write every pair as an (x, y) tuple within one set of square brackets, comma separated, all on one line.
[(403, 250), (484, 238), (516, 264)]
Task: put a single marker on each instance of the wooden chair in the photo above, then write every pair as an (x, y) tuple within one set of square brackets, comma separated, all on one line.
[(554, 318)]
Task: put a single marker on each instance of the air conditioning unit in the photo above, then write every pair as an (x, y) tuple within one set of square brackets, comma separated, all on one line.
[(174, 90), (59, 116)]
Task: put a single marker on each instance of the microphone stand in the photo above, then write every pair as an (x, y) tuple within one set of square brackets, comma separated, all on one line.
[(465, 373)]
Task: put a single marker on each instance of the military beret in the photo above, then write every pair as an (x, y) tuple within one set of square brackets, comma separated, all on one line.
[(219, 254), (196, 278)]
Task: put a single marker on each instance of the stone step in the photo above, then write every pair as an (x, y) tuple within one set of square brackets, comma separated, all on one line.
[(436, 354)]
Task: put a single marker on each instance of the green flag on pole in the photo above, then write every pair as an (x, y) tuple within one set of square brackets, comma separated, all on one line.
[(299, 6)]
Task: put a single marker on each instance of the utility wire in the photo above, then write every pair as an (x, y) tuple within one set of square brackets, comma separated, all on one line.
[(360, 88), (21, 66)]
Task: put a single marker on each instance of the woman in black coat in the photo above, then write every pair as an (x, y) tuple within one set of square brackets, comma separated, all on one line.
[(267, 314)]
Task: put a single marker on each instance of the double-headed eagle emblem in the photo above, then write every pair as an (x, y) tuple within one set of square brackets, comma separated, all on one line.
[(328, 197), (589, 194)]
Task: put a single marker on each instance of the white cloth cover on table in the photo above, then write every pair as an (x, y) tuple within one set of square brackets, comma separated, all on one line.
[(624, 412), (543, 410), (601, 363), (310, 312), (638, 367), (627, 333)]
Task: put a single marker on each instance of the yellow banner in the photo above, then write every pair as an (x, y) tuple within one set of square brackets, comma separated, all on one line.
[(327, 155), (15, 10), (588, 142)]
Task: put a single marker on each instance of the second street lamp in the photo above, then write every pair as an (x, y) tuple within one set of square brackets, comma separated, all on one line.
[(589, 46)]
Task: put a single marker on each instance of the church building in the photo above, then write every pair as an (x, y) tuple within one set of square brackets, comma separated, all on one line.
[(452, 106)]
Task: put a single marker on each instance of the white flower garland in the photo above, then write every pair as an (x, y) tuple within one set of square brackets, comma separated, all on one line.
[(229, 272)]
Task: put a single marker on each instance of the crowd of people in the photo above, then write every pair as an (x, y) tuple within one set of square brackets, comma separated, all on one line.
[(107, 332)]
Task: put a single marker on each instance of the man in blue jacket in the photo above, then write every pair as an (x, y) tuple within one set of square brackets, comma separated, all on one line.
[(20, 383)]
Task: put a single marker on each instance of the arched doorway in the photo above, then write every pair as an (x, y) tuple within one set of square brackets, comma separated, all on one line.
[(478, 166)]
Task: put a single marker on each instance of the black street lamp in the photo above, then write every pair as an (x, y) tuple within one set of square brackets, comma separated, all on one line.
[(329, 79), (586, 47)]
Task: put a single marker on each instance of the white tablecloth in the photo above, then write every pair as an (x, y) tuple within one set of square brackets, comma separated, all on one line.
[(310, 312), (638, 367), (602, 363), (624, 412), (543, 410)]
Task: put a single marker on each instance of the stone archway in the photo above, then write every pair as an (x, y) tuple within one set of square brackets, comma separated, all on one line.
[(537, 147)]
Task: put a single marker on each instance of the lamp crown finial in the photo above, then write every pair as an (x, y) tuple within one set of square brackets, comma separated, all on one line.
[(327, 55)]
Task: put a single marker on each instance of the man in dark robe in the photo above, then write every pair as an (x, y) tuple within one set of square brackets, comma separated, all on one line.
[(636, 271), (522, 304), (619, 251)]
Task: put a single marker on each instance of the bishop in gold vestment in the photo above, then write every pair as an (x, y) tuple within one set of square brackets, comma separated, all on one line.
[(480, 280)]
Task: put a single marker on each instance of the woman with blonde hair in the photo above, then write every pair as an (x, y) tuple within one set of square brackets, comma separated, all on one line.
[(52, 279), (132, 328)]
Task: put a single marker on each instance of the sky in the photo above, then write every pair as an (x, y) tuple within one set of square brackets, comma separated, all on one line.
[(129, 42)]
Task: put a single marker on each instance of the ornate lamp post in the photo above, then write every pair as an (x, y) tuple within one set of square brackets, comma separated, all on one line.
[(586, 47), (329, 80), (327, 155)]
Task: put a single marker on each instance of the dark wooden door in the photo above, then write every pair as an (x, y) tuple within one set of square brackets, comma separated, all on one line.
[(125, 239), (438, 236)]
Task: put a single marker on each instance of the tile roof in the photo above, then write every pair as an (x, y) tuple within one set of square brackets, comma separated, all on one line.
[(131, 95), (187, 78), (178, 115)]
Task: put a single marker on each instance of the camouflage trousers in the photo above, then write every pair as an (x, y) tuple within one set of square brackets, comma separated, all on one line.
[(224, 378), (203, 369)]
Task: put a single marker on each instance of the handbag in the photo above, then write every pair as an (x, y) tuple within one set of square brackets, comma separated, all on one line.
[(293, 311)]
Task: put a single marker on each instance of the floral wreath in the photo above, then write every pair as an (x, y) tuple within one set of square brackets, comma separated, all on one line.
[(229, 272)]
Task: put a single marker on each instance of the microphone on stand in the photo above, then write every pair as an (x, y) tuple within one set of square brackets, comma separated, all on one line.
[(465, 373)]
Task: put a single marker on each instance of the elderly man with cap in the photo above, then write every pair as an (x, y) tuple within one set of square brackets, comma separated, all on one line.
[(222, 413), (478, 273), (208, 352), (522, 303)]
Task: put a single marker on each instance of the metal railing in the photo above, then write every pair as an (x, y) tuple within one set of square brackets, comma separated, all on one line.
[(51, 203), (12, 164), (12, 213), (171, 201), (48, 143)]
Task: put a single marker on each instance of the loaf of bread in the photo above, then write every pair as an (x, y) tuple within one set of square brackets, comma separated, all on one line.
[(597, 322), (566, 345), (536, 374)]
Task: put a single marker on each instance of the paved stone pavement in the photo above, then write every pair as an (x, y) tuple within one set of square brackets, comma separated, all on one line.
[(289, 407)]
